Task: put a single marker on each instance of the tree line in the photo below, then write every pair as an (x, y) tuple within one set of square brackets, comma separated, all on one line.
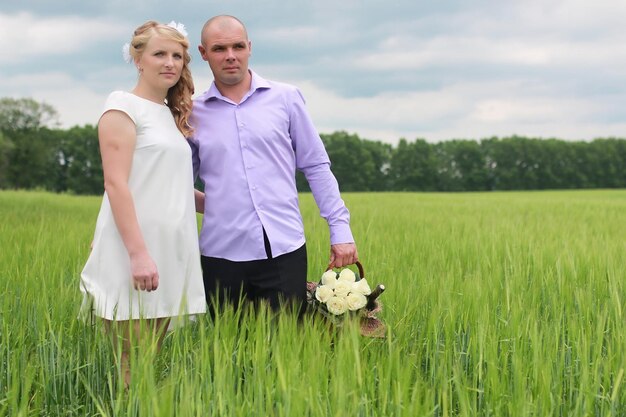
[(36, 154)]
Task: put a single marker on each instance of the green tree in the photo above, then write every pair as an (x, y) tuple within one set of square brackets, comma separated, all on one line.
[(358, 164), (606, 163), (6, 145), (565, 164), (380, 154), (33, 159), (28, 146), (508, 165), (351, 164), (461, 166), (26, 114), (80, 161), (413, 167)]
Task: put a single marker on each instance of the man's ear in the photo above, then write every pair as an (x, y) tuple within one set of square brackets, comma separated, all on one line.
[(202, 52)]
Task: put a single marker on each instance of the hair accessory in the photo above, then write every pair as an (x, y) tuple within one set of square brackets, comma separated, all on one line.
[(179, 27), (126, 47), (126, 53)]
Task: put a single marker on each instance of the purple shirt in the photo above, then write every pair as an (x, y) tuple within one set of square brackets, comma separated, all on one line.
[(246, 155)]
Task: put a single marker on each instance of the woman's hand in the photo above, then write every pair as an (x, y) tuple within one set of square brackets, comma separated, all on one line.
[(144, 271)]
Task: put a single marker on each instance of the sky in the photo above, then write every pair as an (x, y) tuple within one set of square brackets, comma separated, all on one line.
[(384, 70)]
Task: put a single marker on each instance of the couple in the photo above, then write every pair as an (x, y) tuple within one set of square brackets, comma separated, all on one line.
[(246, 137)]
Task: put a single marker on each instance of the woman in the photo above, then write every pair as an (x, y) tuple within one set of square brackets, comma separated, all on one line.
[(145, 261)]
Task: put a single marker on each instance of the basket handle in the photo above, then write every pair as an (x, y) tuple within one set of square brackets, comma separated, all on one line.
[(358, 265)]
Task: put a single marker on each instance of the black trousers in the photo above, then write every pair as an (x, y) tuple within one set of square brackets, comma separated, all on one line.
[(275, 280)]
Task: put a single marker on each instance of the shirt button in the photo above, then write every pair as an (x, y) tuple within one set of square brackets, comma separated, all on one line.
[(254, 187)]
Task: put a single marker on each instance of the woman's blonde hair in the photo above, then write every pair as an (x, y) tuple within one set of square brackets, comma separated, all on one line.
[(179, 95)]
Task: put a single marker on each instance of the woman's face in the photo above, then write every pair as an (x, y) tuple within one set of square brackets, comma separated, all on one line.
[(162, 62)]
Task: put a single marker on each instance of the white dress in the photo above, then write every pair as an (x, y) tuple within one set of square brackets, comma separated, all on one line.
[(161, 184)]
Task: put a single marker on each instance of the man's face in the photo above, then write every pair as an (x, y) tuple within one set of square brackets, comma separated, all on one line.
[(226, 49)]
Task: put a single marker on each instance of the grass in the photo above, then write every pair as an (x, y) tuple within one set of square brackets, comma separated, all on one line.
[(497, 304)]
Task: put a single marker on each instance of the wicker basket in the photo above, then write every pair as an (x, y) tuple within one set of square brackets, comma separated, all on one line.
[(370, 324)]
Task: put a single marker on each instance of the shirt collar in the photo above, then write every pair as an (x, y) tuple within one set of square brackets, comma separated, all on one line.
[(257, 83)]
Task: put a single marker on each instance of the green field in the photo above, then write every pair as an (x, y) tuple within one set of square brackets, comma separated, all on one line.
[(497, 304)]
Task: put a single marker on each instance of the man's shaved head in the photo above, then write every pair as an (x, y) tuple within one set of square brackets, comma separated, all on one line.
[(221, 22)]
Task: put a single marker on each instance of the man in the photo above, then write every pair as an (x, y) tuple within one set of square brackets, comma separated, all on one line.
[(250, 137)]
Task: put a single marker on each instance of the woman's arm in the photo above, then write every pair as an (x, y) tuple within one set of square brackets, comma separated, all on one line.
[(117, 136), (199, 199)]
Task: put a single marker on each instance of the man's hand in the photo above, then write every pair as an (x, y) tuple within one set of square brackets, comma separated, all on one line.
[(343, 254)]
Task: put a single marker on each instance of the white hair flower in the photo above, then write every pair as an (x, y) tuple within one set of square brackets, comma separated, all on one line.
[(179, 27), (126, 53)]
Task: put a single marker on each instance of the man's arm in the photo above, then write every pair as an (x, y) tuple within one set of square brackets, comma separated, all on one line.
[(325, 191), (195, 156), (312, 159), (195, 159)]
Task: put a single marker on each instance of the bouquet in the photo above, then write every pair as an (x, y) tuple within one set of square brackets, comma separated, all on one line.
[(343, 293)]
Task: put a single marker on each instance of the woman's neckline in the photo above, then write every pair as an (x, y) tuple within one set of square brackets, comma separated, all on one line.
[(147, 99)]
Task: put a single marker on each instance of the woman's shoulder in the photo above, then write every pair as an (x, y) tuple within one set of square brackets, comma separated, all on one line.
[(136, 101), (118, 96), (121, 101)]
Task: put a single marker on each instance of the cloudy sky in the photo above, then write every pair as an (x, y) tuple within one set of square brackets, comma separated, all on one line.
[(384, 70)]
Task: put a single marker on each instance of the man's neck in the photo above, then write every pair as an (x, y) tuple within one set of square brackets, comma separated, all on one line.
[(236, 92)]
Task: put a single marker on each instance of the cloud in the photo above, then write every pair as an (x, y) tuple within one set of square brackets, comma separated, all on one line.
[(466, 110), (487, 48), (383, 70), (26, 36), (76, 102)]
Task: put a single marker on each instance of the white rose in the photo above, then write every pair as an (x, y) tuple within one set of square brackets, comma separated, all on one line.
[(343, 288), (337, 305), (362, 287), (329, 278), (323, 293), (356, 301), (347, 275)]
